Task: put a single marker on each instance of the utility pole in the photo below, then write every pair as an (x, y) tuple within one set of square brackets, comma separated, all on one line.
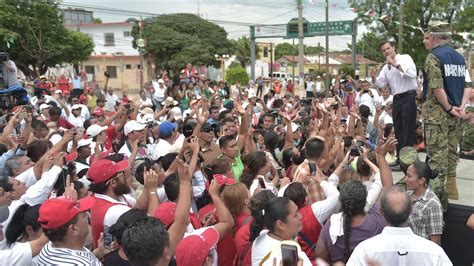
[(327, 44), (400, 28), (301, 45), (271, 62), (252, 53), (293, 64)]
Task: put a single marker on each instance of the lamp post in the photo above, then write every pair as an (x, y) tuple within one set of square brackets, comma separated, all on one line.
[(222, 59), (141, 45)]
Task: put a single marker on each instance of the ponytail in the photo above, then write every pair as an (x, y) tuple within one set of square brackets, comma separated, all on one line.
[(256, 206)]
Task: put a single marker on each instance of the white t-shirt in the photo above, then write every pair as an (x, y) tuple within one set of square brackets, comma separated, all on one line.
[(50, 255), (76, 121), (19, 254), (161, 149), (264, 244), (111, 101)]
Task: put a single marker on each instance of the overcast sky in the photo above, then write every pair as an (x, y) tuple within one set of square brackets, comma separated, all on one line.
[(248, 11)]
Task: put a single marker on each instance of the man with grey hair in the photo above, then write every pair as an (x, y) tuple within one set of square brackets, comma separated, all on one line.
[(445, 93), (397, 244)]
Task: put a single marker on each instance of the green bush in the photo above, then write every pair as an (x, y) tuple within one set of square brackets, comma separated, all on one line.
[(237, 74)]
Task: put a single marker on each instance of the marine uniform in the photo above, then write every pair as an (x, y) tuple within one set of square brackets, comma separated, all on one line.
[(444, 69)]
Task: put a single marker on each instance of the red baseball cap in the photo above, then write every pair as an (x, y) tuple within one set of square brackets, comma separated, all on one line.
[(71, 157), (194, 248), (98, 111), (221, 179), (57, 212), (82, 98), (165, 213), (103, 170)]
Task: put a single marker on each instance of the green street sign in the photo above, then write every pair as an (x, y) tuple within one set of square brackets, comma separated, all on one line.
[(343, 27)]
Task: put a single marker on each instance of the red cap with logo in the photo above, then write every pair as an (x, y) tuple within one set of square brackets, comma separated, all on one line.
[(194, 248), (103, 170), (57, 212)]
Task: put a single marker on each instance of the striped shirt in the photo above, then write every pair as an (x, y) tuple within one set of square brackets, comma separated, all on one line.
[(50, 255)]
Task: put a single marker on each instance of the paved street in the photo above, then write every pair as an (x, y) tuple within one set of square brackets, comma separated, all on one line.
[(465, 181)]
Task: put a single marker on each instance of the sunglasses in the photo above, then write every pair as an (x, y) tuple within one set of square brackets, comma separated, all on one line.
[(206, 129)]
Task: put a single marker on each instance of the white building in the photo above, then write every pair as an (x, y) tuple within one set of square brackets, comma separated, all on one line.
[(114, 53)]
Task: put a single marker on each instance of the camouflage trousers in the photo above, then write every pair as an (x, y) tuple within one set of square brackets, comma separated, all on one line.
[(441, 145), (467, 141)]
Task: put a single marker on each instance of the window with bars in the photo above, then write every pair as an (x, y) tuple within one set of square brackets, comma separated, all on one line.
[(109, 39)]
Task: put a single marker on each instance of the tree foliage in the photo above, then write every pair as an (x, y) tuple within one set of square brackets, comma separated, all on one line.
[(241, 49), (237, 74), (33, 33), (177, 39), (417, 15), (285, 48)]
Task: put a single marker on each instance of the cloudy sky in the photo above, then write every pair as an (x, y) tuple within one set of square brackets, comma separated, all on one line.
[(243, 11)]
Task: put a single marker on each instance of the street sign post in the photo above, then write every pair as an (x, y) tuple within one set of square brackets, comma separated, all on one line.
[(343, 27)]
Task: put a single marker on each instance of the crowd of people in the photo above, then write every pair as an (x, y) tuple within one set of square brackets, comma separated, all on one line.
[(209, 173)]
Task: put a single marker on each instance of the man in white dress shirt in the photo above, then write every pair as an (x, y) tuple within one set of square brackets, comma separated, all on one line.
[(397, 244), (399, 73)]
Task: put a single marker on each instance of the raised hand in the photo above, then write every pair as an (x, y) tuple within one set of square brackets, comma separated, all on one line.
[(69, 191), (151, 180), (383, 149)]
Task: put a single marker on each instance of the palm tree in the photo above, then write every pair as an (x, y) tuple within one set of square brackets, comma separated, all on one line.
[(242, 50)]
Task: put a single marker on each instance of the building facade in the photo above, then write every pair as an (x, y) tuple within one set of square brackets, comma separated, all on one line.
[(115, 54)]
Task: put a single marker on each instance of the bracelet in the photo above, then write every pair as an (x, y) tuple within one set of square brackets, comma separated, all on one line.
[(449, 110), (153, 193)]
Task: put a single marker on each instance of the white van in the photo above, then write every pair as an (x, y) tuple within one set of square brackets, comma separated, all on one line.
[(281, 76)]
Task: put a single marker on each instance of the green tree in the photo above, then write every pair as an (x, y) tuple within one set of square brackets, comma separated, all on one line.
[(177, 39), (97, 20), (285, 48), (241, 48), (237, 74), (368, 45), (347, 70), (33, 33), (313, 50), (464, 20), (417, 15)]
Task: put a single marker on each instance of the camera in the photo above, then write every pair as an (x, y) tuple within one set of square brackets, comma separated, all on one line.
[(356, 149), (107, 74)]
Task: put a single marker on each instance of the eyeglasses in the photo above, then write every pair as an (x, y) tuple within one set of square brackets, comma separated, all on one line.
[(119, 175)]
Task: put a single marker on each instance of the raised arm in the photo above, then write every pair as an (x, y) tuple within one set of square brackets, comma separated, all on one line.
[(226, 222), (177, 229)]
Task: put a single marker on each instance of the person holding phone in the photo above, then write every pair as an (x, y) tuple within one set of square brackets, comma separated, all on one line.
[(282, 221)]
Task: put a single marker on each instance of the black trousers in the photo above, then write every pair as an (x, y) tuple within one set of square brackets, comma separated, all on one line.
[(404, 118)]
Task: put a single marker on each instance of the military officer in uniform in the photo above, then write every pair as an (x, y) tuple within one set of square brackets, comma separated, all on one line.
[(445, 93)]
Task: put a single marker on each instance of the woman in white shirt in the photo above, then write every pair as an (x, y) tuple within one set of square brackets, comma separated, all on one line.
[(283, 222), (258, 173)]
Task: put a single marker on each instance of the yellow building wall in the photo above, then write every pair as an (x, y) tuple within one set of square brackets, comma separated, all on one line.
[(128, 73), (261, 47)]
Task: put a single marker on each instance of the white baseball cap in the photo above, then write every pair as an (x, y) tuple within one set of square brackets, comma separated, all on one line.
[(44, 106), (133, 125), (176, 113), (58, 91), (76, 106), (94, 130), (84, 142)]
